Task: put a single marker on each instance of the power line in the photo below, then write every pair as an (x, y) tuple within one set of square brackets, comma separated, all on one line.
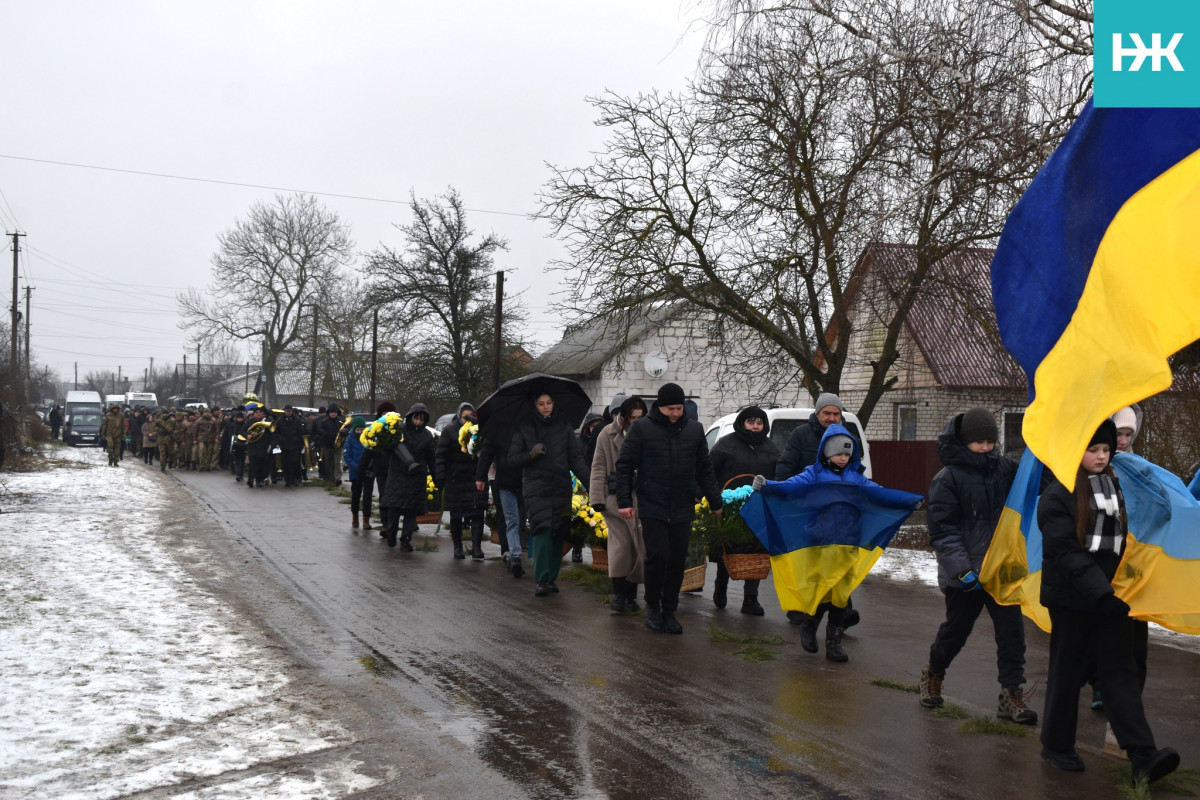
[(243, 185)]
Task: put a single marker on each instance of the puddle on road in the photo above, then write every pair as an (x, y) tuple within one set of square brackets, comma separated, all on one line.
[(377, 663)]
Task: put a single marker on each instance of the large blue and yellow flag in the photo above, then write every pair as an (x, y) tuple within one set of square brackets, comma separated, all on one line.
[(1096, 278), (1159, 576), (824, 537)]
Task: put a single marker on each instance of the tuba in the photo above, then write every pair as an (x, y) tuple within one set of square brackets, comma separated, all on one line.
[(258, 429), (343, 432)]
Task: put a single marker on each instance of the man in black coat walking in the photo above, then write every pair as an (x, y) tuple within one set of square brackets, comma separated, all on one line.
[(669, 455), (289, 435)]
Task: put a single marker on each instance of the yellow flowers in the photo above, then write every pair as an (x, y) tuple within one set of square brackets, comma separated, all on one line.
[(430, 488), (468, 438), (383, 432), (587, 521)]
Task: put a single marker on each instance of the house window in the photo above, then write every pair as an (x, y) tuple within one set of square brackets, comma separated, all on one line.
[(1013, 444), (906, 422)]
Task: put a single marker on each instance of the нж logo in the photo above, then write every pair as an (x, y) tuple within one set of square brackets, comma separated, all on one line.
[(1139, 52)]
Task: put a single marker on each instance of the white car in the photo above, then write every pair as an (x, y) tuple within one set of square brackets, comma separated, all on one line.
[(785, 420)]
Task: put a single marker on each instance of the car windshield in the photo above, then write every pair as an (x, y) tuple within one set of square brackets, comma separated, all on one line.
[(85, 419)]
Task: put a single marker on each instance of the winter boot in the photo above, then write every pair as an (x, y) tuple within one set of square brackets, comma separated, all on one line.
[(477, 540), (631, 603), (367, 524), (1151, 764), (670, 624), (353, 519), (410, 527), (654, 620), (1012, 706), (618, 601), (851, 618), (514, 567), (577, 554), (833, 644), (721, 587), (391, 537), (808, 632), (750, 604), (931, 687)]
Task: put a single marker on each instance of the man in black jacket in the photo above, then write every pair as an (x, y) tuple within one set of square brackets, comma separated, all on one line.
[(669, 455), (289, 435), (325, 431)]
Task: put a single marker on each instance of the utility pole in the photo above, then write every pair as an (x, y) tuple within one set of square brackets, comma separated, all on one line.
[(28, 378), (77, 376), (312, 377), (16, 315), (117, 382), (184, 392), (198, 369), (496, 338), (374, 354)]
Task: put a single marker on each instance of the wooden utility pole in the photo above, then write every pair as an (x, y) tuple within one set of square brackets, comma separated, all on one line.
[(496, 337), (13, 363), (374, 356), (312, 376), (198, 370), (28, 378)]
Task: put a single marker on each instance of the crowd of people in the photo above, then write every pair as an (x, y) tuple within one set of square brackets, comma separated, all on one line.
[(643, 467)]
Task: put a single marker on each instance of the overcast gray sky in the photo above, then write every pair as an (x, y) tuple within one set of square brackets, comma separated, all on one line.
[(370, 99)]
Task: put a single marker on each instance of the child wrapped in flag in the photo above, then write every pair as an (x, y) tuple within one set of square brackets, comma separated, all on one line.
[(825, 528)]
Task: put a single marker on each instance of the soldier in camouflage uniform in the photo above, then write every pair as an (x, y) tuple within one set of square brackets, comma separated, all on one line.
[(166, 427), (207, 431), (187, 442), (112, 430)]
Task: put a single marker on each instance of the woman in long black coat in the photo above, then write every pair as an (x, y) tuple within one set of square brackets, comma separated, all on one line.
[(546, 449), (408, 470), (455, 473), (379, 466), (748, 450)]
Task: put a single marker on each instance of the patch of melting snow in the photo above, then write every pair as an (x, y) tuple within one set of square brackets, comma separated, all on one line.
[(118, 673)]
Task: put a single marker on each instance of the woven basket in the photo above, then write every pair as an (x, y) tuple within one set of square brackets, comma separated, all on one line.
[(747, 566), (599, 558), (693, 579), (495, 537), (431, 518)]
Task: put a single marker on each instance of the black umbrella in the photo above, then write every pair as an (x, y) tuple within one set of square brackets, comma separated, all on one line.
[(513, 403)]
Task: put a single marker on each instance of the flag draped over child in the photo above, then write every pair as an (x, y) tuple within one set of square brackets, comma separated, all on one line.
[(824, 537), (1096, 278), (1159, 575)]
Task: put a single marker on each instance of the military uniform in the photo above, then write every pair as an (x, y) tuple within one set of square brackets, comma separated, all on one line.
[(206, 440), (167, 428), (187, 442), (112, 430)]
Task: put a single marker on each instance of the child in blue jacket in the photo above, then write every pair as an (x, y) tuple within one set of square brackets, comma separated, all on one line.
[(839, 461)]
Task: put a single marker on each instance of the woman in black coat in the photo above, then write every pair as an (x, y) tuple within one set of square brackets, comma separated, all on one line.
[(379, 466), (1083, 539), (408, 469), (748, 450), (455, 472), (546, 449)]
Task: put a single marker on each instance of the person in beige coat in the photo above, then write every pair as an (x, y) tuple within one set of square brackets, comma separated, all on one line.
[(626, 551)]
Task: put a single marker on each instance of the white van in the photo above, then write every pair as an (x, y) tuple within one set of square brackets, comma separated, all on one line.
[(144, 399), (785, 420), (111, 400), (78, 398)]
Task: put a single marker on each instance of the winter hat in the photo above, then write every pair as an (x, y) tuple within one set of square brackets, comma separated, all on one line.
[(671, 394), (751, 412), (829, 399), (386, 407), (1126, 418), (1105, 434), (977, 425), (615, 406), (358, 422), (630, 403), (838, 444)]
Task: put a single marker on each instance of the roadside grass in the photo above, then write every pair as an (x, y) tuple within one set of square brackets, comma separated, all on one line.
[(427, 545), (888, 683), (334, 489), (588, 579), (950, 711), (1183, 782), (988, 726), (718, 634), (756, 654)]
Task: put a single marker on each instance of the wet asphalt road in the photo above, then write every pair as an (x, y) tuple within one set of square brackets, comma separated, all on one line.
[(558, 698)]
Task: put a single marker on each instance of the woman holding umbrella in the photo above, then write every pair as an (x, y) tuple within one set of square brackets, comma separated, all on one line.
[(544, 446)]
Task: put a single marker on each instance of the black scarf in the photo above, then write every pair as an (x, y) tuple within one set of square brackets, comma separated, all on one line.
[(1105, 503)]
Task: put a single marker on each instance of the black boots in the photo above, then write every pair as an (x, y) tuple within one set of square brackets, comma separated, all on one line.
[(750, 604), (410, 527), (456, 537), (833, 644), (1151, 764), (477, 539), (808, 631), (624, 597), (577, 554), (720, 588), (654, 620)]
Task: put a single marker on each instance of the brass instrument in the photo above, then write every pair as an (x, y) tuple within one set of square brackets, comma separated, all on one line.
[(310, 455), (343, 432), (257, 429)]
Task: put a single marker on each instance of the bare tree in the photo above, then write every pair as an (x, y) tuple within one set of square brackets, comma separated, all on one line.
[(439, 286), (267, 266)]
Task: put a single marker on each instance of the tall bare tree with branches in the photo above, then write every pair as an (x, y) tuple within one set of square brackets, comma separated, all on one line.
[(267, 265)]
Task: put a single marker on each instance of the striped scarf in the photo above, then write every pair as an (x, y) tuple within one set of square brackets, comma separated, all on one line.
[(1105, 503)]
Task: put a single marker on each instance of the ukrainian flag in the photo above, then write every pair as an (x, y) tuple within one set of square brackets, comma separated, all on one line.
[(1158, 575), (824, 537), (1012, 569), (1096, 278)]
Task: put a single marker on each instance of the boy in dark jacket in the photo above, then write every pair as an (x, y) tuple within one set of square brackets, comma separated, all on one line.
[(966, 499)]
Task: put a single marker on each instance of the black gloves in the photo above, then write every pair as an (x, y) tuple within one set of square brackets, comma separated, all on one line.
[(1112, 606), (538, 450), (598, 506)]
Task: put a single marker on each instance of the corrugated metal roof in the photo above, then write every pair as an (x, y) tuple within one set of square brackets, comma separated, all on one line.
[(587, 346), (952, 319)]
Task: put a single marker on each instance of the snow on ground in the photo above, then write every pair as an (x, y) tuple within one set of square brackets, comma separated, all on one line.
[(118, 673)]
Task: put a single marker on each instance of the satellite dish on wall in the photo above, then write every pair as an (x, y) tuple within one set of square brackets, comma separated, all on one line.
[(656, 364)]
